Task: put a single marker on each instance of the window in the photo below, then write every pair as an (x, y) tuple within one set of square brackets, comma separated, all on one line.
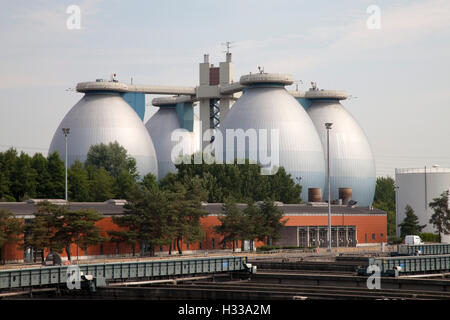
[(381, 235), (365, 237), (200, 245), (373, 236), (213, 243)]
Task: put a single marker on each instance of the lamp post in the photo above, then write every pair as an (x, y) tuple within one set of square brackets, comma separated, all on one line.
[(66, 132), (397, 230), (328, 127)]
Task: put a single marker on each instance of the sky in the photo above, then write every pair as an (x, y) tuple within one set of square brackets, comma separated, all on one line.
[(398, 75)]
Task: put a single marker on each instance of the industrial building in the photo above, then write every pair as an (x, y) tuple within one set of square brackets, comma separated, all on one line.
[(305, 226), (417, 187), (257, 101)]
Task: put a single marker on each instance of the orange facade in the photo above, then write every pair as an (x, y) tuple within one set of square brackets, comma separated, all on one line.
[(369, 228)]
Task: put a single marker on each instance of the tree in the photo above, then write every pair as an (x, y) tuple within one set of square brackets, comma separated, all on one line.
[(410, 224), (10, 230), (385, 191), (283, 188), (102, 185), (145, 219), (113, 157), (56, 227), (232, 223), (39, 232), (384, 199), (441, 216), (77, 227), (125, 184), (272, 218), (78, 182), (242, 181), (23, 179), (186, 210), (43, 180), (56, 169), (7, 160), (255, 222), (149, 182)]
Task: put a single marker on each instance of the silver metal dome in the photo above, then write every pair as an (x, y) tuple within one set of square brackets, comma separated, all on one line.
[(351, 160), (270, 106), (103, 117), (160, 127)]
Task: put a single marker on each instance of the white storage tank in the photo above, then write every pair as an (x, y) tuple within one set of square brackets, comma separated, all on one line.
[(351, 160), (173, 117), (418, 187), (103, 116), (265, 104)]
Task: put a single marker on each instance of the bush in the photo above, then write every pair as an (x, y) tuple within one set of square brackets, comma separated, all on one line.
[(394, 240), (429, 237)]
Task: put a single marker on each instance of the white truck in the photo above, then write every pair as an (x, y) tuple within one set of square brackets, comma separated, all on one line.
[(413, 240), (407, 249)]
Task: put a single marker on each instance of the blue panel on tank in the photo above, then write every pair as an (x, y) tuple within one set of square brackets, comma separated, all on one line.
[(305, 103), (185, 113), (137, 101)]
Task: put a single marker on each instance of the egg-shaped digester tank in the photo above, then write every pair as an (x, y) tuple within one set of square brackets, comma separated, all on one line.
[(104, 117), (265, 105), (175, 131), (351, 159)]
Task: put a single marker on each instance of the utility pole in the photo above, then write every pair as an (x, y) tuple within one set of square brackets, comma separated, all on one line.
[(328, 127), (66, 132)]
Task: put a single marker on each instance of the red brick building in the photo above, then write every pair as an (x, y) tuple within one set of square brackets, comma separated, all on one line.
[(306, 225)]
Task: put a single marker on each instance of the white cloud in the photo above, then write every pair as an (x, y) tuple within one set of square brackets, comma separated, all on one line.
[(401, 25)]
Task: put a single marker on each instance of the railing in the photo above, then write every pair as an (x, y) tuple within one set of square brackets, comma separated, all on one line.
[(16, 278), (424, 249), (408, 264)]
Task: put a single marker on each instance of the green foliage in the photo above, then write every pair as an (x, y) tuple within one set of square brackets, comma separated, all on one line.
[(39, 233), (161, 216), (186, 210), (149, 182), (23, 177), (394, 240), (261, 221), (385, 192), (55, 227), (429, 237), (113, 158), (441, 216), (56, 169), (77, 227), (232, 224), (102, 185), (43, 180), (242, 182), (146, 219), (78, 182), (10, 229), (410, 225), (272, 220), (384, 199)]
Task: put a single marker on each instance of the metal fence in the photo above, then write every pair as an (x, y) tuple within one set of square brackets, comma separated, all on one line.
[(16, 278)]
